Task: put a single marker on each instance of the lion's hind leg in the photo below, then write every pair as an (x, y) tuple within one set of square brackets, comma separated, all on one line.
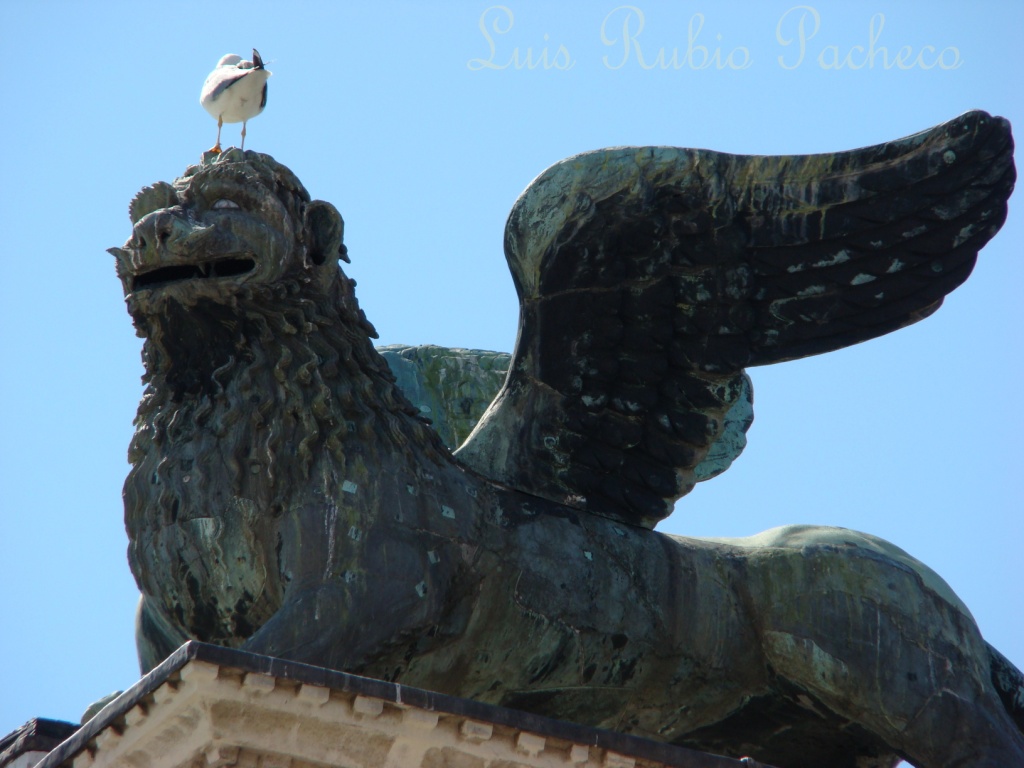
[(854, 623)]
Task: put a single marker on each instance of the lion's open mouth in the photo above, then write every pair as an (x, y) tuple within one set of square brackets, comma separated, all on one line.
[(226, 267)]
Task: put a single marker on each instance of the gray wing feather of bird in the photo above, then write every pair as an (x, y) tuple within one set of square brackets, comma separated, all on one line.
[(650, 277), (229, 80)]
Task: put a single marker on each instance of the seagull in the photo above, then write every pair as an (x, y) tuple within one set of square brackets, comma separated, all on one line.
[(235, 91)]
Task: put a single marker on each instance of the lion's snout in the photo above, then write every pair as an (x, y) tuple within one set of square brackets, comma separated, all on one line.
[(159, 233)]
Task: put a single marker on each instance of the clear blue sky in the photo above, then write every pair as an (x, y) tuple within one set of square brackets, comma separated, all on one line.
[(403, 116)]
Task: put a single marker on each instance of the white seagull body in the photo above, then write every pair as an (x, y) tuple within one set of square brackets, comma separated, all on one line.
[(235, 91)]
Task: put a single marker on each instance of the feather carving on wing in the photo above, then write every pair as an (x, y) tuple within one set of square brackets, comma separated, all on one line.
[(650, 277)]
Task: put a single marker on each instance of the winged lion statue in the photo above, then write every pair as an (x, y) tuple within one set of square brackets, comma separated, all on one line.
[(285, 497)]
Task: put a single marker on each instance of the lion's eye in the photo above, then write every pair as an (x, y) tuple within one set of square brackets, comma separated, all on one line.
[(224, 203)]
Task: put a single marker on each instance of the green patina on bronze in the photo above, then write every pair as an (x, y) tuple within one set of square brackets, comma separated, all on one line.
[(451, 387), (286, 497)]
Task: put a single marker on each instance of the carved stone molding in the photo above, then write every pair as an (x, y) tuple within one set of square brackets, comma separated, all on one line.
[(211, 707)]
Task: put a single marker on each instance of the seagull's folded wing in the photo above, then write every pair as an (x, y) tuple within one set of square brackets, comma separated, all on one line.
[(219, 81), (650, 277)]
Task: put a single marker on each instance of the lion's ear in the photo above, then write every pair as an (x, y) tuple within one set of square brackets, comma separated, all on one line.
[(152, 198), (325, 232)]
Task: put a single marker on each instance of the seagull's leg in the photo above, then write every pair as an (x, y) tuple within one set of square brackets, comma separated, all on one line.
[(243, 134), (216, 147)]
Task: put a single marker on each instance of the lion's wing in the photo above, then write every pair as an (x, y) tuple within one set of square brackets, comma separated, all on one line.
[(650, 277)]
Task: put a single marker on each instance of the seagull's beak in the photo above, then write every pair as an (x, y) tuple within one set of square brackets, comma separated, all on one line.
[(257, 62)]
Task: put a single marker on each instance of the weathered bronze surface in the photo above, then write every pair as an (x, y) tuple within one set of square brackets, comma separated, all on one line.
[(286, 498)]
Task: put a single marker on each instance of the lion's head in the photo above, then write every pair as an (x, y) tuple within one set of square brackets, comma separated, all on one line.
[(234, 241), (234, 223)]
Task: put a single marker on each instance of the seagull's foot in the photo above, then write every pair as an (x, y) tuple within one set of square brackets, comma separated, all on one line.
[(215, 150)]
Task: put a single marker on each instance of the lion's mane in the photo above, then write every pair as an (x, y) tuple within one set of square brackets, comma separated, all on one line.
[(244, 402)]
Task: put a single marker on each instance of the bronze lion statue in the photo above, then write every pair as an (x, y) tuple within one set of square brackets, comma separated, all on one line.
[(286, 498)]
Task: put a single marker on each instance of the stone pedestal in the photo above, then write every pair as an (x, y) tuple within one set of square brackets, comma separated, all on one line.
[(211, 707)]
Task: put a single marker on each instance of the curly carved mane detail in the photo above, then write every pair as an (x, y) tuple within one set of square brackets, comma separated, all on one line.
[(280, 375)]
